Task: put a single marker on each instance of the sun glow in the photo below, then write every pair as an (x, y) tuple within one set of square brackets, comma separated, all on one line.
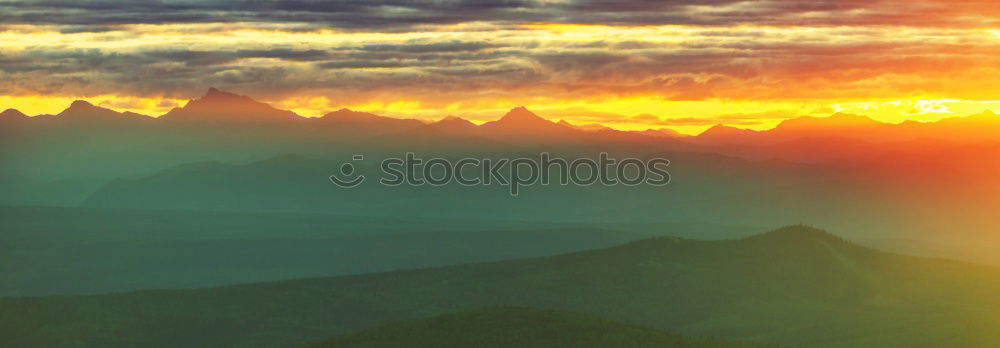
[(682, 77)]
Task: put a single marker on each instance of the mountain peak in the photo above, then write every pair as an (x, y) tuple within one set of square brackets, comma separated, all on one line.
[(12, 114), (455, 120), (797, 234), (986, 115), (521, 121), (454, 123), (587, 127), (219, 96), (521, 114), (345, 114), (219, 105), (355, 120), (724, 130), (81, 104), (84, 108)]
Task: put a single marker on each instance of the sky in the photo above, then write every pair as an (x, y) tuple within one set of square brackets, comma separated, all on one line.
[(631, 64)]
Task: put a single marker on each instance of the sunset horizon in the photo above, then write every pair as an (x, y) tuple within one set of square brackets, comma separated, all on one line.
[(499, 173), (748, 64), (685, 130)]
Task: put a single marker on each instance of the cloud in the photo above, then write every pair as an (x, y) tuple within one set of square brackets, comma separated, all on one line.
[(695, 64), (394, 14), (415, 46), (445, 53), (370, 14)]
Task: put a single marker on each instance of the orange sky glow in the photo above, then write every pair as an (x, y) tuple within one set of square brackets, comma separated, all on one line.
[(625, 72)]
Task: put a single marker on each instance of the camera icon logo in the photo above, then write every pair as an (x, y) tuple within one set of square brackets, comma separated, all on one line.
[(347, 178)]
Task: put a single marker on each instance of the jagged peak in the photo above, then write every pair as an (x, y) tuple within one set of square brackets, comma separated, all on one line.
[(521, 113), (520, 120), (83, 107), (217, 105), (216, 95)]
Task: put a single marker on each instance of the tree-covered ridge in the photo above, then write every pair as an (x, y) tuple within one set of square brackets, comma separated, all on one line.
[(517, 327), (795, 286)]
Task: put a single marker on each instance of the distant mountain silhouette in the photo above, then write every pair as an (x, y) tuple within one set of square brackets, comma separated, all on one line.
[(80, 108), (722, 134), (589, 127), (12, 114), (454, 124), (836, 125), (984, 127), (221, 106), (296, 183), (228, 109), (346, 118), (520, 121), (243, 248), (81, 111), (662, 132), (796, 286)]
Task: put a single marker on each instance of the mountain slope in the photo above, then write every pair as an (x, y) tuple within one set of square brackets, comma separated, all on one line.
[(453, 124), (72, 251), (795, 286), (516, 327), (296, 184), (972, 129), (12, 115), (520, 122), (220, 106)]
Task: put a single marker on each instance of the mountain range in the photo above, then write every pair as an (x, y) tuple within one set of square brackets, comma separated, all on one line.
[(888, 179), (794, 286), (221, 107)]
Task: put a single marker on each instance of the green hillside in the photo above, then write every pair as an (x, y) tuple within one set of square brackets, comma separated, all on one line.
[(516, 327), (793, 286), (81, 251)]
